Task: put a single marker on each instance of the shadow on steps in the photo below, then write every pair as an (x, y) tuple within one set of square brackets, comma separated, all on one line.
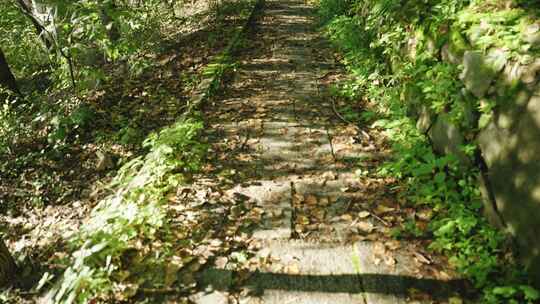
[(396, 285)]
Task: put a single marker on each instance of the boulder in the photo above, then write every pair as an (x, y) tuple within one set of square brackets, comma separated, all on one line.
[(513, 160), (104, 161), (425, 119), (448, 54), (530, 72), (477, 74), (531, 34), (447, 138)]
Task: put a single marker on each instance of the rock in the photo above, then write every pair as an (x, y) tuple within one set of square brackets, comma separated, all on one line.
[(512, 156), (477, 74), (424, 120), (489, 204), (496, 59), (495, 143), (410, 47), (104, 161), (523, 97), (447, 138), (531, 34), (448, 54), (510, 76), (505, 121), (530, 71)]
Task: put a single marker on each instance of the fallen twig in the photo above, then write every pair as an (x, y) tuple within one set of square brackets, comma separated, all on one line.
[(338, 114), (381, 220)]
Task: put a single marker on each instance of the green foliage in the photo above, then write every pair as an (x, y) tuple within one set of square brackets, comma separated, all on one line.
[(10, 127), (134, 213), (488, 25), (330, 9), (63, 127), (391, 49)]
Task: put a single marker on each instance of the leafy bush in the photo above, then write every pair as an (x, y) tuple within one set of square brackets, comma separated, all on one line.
[(132, 215)]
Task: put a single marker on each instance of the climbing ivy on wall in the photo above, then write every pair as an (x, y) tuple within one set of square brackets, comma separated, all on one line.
[(393, 48)]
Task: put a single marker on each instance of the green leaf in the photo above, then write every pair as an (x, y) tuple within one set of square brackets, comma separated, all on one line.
[(505, 291), (440, 177), (530, 292)]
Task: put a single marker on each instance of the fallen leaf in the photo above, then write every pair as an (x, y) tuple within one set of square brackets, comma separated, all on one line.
[(298, 198), (366, 227), (455, 300), (221, 262), (323, 201), (421, 258), (346, 217), (389, 260), (380, 209), (393, 244), (292, 269), (310, 199), (329, 175), (379, 249), (302, 219), (444, 276), (363, 214), (425, 215)]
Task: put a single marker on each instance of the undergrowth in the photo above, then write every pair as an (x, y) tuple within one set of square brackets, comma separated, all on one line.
[(371, 35), (129, 219)]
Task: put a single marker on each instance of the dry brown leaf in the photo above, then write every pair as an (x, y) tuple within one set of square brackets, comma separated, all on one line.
[(425, 214), (389, 260), (393, 244), (292, 269), (347, 217), (302, 220), (298, 198), (221, 262), (444, 276), (310, 199), (329, 175), (366, 227), (421, 258), (363, 214), (380, 209), (455, 300), (379, 249)]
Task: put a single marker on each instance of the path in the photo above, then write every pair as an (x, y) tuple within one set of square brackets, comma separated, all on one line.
[(323, 237)]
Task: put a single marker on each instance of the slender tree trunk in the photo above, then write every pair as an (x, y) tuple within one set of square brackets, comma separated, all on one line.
[(8, 268), (46, 29), (28, 9), (7, 80), (112, 28)]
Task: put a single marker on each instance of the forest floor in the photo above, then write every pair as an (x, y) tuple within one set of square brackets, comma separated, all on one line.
[(322, 232)]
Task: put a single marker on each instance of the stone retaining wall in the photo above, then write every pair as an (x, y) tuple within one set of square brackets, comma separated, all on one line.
[(509, 144)]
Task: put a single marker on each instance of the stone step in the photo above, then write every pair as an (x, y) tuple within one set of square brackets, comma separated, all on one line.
[(314, 273)]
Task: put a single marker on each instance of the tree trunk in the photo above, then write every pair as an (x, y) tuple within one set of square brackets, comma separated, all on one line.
[(112, 28), (27, 7), (8, 268), (7, 80)]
